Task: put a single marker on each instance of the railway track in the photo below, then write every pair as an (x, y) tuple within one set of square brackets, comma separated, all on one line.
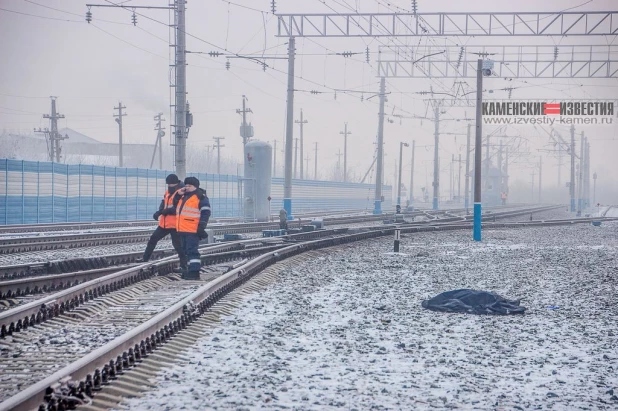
[(142, 224), (25, 279), (78, 240), (82, 378)]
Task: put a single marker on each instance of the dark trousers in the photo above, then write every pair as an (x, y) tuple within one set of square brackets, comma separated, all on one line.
[(190, 242), (159, 234)]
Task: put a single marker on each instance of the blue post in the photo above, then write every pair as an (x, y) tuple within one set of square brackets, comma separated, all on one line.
[(377, 208), (477, 222), (572, 205), (23, 205), (435, 203), (466, 204), (38, 189), (53, 193), (287, 206)]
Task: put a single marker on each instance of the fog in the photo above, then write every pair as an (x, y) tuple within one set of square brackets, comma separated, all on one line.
[(48, 49)]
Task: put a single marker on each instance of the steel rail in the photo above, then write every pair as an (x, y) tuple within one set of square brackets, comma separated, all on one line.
[(87, 374)]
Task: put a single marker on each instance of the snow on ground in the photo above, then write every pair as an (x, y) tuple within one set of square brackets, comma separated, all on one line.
[(348, 330)]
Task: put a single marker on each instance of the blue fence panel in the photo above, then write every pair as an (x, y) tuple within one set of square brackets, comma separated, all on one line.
[(41, 192)]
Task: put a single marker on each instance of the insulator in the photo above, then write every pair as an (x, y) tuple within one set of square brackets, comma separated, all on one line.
[(414, 7), (134, 19), (227, 65), (88, 16), (555, 53), (367, 54)]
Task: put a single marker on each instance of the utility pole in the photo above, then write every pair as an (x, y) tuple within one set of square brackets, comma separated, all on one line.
[(289, 131), (580, 177), (218, 145), (401, 146), (54, 153), (246, 131), (506, 173), (540, 177), (500, 166), (572, 182), (275, 158), (119, 117), (436, 159), (559, 163), (452, 178), (477, 151), (183, 119), (532, 185), (587, 203), (159, 142), (296, 157), (487, 162), (181, 128), (307, 165), (345, 150), (411, 193), (377, 209), (302, 122), (315, 175), (594, 188), (467, 176), (459, 181)]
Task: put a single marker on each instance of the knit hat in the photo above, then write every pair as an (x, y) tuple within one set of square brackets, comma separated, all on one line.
[(172, 179), (192, 181)]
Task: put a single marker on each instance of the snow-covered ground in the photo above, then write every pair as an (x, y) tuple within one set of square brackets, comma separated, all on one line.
[(348, 330)]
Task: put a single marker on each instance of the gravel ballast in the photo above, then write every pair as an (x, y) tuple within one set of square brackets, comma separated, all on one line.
[(348, 330)]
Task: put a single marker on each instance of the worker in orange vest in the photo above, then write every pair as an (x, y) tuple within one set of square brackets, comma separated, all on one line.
[(166, 215), (192, 214)]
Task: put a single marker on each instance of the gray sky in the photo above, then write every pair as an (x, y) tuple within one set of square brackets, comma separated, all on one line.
[(91, 67)]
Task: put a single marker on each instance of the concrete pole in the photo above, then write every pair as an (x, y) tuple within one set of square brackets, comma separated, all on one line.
[(289, 131), (218, 140), (401, 145), (594, 188), (296, 158), (572, 183), (540, 177), (315, 174), (436, 159), (302, 122), (345, 150), (487, 163), (377, 209), (467, 176), (180, 66), (459, 181), (580, 177), (411, 193), (506, 173), (119, 117), (477, 152), (275, 158)]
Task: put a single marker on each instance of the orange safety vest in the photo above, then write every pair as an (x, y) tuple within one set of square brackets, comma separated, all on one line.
[(168, 221), (188, 215)]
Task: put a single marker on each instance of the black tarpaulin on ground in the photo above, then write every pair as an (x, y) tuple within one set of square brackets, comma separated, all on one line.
[(473, 302)]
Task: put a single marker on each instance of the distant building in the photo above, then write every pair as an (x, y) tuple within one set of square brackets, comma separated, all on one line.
[(78, 149)]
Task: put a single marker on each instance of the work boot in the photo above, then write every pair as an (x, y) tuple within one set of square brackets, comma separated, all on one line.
[(141, 260), (179, 270), (191, 275)]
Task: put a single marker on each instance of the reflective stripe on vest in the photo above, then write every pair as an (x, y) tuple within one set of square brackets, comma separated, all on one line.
[(168, 221), (188, 215)]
